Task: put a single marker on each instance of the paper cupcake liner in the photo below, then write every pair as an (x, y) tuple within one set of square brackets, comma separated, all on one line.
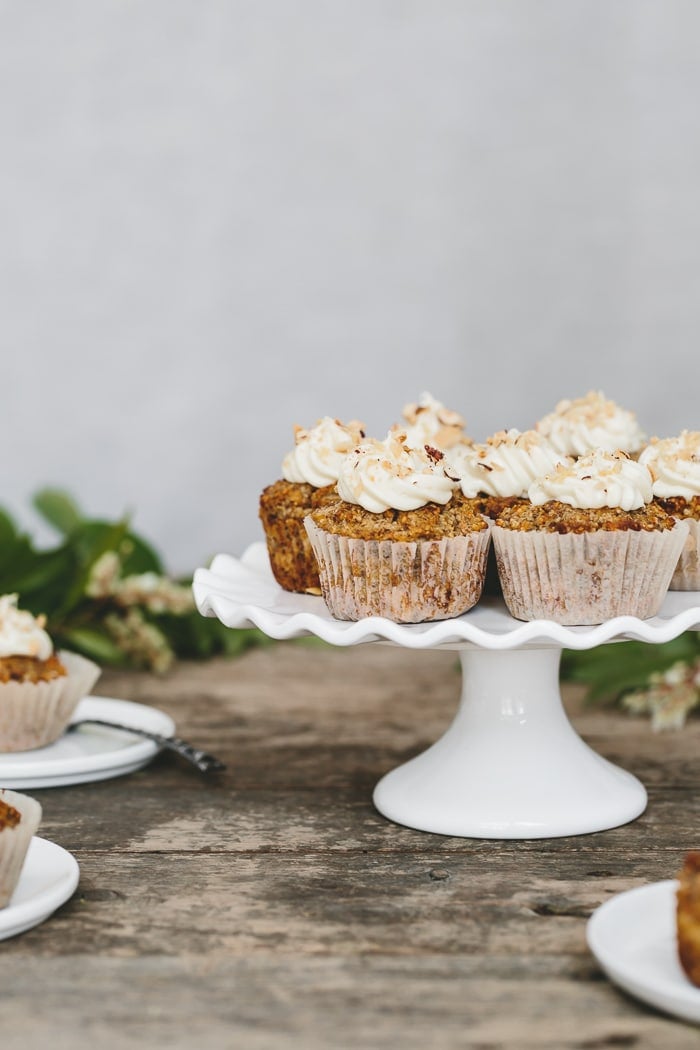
[(34, 714), (686, 576), (291, 558), (14, 842), (589, 578), (407, 582)]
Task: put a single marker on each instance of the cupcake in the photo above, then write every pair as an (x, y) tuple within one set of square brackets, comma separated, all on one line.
[(675, 468), (592, 422), (309, 474), (19, 820), (588, 545), (39, 689), (428, 422), (400, 541), (688, 916), (498, 472)]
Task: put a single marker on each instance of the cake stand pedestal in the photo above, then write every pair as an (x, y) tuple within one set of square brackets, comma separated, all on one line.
[(511, 765)]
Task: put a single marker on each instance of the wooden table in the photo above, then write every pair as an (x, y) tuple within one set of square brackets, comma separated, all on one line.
[(272, 906)]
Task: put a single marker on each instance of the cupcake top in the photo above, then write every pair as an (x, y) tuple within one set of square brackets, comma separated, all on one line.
[(591, 422), (428, 422), (675, 465), (598, 479), (390, 475), (22, 634), (319, 451), (505, 464)]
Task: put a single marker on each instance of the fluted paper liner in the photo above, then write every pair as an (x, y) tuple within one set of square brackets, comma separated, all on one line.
[(34, 714), (406, 582), (588, 578), (686, 576), (291, 557), (14, 842)]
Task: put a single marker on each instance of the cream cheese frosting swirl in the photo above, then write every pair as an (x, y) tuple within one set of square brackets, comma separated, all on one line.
[(598, 479), (591, 422), (505, 464), (319, 451), (22, 634), (389, 475), (428, 422), (674, 464)]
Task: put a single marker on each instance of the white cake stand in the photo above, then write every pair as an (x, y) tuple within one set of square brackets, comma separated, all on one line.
[(511, 765)]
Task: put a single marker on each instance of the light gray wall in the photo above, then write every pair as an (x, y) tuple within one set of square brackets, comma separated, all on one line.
[(221, 219)]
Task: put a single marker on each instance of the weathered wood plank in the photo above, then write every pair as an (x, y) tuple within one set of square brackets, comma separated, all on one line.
[(138, 814), (325, 1003), (318, 903), (274, 907)]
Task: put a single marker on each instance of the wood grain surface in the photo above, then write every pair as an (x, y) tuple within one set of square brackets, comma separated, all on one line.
[(272, 906)]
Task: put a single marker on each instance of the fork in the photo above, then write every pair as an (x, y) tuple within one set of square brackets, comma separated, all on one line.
[(204, 762)]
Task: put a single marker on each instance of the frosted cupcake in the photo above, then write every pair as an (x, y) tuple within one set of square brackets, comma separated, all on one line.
[(39, 689), (590, 544), (592, 422), (19, 819), (401, 541), (309, 474), (498, 472), (428, 422), (675, 468)]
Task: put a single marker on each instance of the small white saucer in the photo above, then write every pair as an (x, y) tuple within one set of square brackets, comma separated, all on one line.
[(91, 752), (49, 877), (633, 937)]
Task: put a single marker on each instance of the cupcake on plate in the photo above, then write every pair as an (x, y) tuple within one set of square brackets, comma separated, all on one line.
[(498, 472), (688, 916), (400, 541), (592, 422), (309, 474), (19, 819), (428, 422), (675, 468), (588, 545), (39, 688)]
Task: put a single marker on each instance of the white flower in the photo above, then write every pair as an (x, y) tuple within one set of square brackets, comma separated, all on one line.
[(140, 640), (669, 697)]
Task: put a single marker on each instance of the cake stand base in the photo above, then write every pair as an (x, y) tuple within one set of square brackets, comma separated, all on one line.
[(511, 765)]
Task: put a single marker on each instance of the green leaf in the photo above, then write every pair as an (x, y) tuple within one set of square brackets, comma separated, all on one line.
[(59, 509), (92, 643), (87, 543), (610, 671), (138, 556), (197, 637), (16, 556), (8, 530), (40, 578)]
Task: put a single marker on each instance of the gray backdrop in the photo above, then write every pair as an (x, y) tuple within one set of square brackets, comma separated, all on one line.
[(221, 219)]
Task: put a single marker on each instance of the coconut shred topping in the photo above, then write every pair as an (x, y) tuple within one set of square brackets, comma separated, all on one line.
[(389, 475), (430, 423), (22, 634), (505, 464), (591, 422), (598, 479), (319, 451), (674, 464)]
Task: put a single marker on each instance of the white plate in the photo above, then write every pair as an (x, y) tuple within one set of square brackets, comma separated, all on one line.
[(633, 937), (48, 878), (242, 592), (91, 752)]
